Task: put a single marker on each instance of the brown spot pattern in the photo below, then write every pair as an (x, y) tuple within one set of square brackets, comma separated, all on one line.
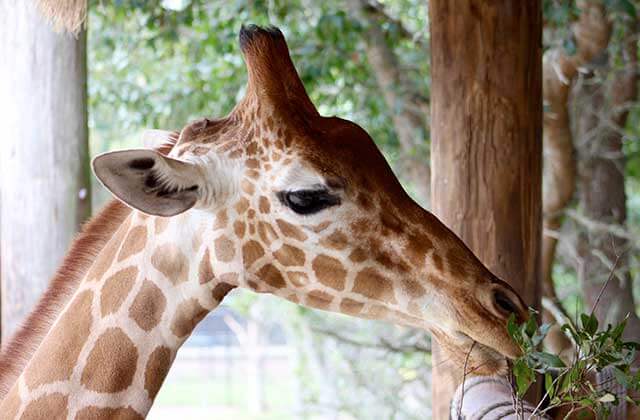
[(319, 299), (413, 288), (247, 187), (171, 262), (187, 316), (239, 229), (417, 248), (377, 312), (111, 363), (370, 283), (350, 306), (106, 413), (251, 251), (264, 206), (391, 261), (156, 370), (329, 272), (437, 261), (205, 270), (225, 249), (116, 289), (161, 224), (134, 242), (337, 240), (390, 221), (106, 256), (456, 263), (272, 276), (229, 278), (361, 226), (289, 256), (266, 232), (221, 220), (320, 227), (57, 356), (148, 306), (364, 201), (297, 278), (242, 205), (196, 241), (291, 231), (220, 291), (47, 406), (358, 255), (252, 163)]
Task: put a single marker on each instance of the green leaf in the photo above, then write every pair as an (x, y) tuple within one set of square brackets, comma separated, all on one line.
[(589, 323), (524, 376), (607, 398), (621, 377), (628, 7), (546, 361), (569, 46), (512, 327), (574, 334), (540, 334), (548, 385), (531, 326)]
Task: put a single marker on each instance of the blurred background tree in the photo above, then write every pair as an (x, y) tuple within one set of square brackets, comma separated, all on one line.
[(161, 64)]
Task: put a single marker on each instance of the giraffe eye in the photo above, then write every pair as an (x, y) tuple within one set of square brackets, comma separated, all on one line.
[(308, 201)]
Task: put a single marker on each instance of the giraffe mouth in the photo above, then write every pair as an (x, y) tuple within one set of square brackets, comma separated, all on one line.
[(479, 345), (479, 358)]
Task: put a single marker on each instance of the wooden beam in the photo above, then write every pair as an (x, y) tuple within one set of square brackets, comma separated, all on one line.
[(486, 153), (44, 162)]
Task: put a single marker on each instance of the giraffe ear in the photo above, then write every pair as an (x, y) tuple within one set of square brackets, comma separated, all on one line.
[(149, 181)]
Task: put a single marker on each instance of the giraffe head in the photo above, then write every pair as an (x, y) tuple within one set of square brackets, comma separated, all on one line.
[(307, 208)]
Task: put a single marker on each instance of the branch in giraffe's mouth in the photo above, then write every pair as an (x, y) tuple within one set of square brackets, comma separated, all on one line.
[(478, 346)]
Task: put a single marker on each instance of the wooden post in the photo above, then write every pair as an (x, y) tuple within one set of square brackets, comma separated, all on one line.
[(486, 152), (44, 166)]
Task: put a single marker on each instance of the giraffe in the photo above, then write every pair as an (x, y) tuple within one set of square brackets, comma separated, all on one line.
[(274, 198)]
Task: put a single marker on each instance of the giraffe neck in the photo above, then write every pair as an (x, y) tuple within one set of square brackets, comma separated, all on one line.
[(111, 347), (95, 234)]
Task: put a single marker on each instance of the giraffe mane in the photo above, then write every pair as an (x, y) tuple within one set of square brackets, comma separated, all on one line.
[(94, 235), (86, 246)]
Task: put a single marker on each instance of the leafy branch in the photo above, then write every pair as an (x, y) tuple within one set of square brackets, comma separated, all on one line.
[(569, 386)]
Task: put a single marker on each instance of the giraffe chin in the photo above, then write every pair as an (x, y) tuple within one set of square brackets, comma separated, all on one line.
[(476, 358)]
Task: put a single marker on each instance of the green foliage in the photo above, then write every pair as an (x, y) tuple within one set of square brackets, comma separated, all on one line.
[(623, 7), (160, 65), (569, 385), (559, 12)]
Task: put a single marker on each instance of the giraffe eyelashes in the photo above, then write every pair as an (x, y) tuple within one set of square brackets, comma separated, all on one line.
[(307, 202)]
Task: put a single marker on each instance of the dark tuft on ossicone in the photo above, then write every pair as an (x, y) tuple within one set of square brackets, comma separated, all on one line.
[(249, 33)]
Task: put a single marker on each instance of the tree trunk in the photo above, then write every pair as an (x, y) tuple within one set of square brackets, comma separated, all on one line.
[(44, 159), (408, 110), (591, 33), (486, 156), (603, 201)]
